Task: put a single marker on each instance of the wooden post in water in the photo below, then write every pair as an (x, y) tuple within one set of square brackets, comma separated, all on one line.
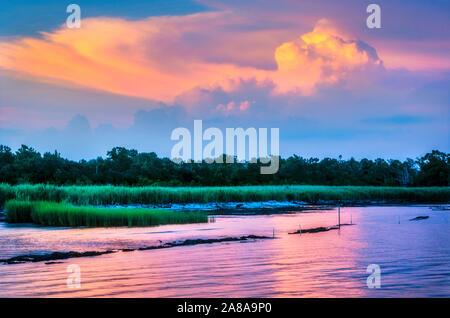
[(273, 233), (339, 215)]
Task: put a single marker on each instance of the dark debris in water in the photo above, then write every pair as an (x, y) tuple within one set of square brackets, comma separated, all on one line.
[(50, 258), (320, 229), (421, 217)]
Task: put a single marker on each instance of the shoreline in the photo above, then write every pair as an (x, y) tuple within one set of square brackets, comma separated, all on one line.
[(277, 205)]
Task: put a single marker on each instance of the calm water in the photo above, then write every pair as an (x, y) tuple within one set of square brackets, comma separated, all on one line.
[(414, 257)]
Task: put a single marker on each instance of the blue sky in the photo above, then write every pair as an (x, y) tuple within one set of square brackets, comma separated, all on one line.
[(29, 17)]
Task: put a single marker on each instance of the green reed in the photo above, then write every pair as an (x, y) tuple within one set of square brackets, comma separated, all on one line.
[(109, 195), (64, 214)]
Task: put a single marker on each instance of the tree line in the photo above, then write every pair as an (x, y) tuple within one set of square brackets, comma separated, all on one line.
[(129, 167)]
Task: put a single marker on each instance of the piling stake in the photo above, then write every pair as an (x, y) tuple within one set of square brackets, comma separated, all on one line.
[(339, 215)]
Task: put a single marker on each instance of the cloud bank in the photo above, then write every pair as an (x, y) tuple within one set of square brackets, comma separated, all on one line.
[(121, 82), (160, 58)]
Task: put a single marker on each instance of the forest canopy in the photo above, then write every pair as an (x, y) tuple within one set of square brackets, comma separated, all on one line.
[(129, 167)]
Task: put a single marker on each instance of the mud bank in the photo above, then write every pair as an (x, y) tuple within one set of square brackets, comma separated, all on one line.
[(55, 256)]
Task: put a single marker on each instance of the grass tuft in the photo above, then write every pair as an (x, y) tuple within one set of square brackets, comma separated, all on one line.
[(64, 214)]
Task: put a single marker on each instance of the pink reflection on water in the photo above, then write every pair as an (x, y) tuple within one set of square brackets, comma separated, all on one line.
[(328, 264)]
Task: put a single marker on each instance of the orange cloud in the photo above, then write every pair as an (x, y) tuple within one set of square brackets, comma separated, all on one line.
[(319, 56), (117, 56), (161, 57)]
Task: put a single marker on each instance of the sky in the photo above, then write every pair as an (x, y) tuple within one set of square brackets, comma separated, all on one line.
[(136, 70)]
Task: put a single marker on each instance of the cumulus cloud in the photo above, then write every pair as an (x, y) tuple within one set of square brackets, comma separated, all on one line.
[(321, 56)]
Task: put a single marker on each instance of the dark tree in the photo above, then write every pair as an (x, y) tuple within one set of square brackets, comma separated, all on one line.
[(128, 167)]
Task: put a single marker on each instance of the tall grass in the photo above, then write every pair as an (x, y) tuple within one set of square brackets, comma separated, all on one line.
[(63, 214), (106, 195)]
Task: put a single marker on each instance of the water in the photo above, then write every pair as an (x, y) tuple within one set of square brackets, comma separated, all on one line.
[(414, 257)]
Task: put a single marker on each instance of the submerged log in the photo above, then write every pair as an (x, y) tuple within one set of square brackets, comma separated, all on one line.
[(319, 229), (421, 217)]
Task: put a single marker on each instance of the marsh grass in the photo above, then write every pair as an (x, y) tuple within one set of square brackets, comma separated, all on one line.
[(64, 214), (110, 195)]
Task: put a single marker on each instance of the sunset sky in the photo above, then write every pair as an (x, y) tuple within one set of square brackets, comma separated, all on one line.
[(135, 70)]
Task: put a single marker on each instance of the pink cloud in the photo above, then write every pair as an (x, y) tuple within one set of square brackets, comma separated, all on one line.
[(233, 107), (160, 58)]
